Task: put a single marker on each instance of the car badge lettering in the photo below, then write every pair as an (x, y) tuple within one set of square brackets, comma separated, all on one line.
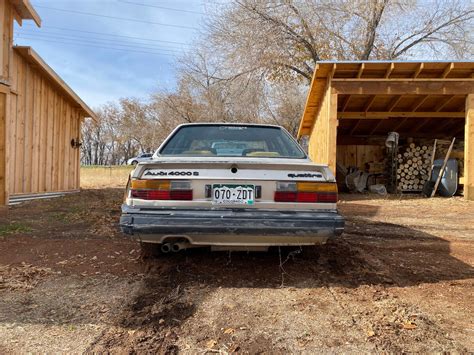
[(305, 175), (171, 173)]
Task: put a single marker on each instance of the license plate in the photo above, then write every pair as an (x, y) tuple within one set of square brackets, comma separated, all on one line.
[(223, 194)]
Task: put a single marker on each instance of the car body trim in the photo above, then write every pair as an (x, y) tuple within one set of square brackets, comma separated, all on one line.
[(233, 226)]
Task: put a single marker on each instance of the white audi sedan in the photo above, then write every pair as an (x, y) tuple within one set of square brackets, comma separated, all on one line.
[(231, 187)]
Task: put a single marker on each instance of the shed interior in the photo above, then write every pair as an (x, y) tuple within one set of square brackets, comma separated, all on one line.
[(362, 102)]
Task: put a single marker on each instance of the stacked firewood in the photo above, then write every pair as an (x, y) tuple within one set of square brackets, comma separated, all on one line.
[(413, 167)]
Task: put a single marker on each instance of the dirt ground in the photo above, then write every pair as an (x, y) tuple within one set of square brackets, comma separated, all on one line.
[(400, 279)]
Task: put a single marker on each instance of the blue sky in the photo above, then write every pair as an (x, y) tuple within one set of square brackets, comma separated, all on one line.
[(100, 75)]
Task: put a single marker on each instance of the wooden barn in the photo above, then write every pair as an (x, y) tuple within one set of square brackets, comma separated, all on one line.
[(352, 106), (40, 118)]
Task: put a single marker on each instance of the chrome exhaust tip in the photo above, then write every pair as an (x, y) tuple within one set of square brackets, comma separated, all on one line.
[(176, 247), (166, 248)]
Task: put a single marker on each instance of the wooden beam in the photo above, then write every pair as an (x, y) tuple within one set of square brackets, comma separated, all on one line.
[(447, 70), (459, 132), (408, 114), (369, 103), (6, 40), (372, 131), (355, 127), (345, 103), (442, 126), (418, 126), (403, 80), (394, 103), (323, 137), (26, 11), (399, 124), (307, 113), (389, 71), (333, 70), (420, 103), (442, 104), (418, 70), (343, 139), (403, 87), (332, 139), (3, 151), (366, 139), (469, 149), (361, 70), (455, 127)]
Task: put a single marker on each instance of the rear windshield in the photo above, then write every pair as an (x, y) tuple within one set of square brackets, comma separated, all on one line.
[(232, 141)]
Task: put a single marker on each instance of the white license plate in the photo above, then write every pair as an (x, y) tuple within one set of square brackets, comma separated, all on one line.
[(228, 194)]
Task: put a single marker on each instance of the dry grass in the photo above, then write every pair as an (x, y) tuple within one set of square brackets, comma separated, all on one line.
[(95, 177)]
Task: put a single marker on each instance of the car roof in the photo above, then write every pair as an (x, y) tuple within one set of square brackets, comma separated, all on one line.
[(228, 124)]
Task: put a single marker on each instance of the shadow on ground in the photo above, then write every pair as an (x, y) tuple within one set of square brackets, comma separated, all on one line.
[(369, 253)]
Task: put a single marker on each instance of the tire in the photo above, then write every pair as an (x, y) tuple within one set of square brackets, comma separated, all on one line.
[(134, 163)]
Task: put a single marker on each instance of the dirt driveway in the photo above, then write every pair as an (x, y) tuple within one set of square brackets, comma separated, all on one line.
[(399, 280)]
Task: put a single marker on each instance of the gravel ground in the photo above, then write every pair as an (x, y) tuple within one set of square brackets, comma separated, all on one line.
[(400, 279)]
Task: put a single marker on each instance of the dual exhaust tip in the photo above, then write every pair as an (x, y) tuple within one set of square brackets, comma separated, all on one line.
[(175, 247)]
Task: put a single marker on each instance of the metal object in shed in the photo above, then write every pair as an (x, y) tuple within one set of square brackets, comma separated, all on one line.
[(391, 144), (449, 180)]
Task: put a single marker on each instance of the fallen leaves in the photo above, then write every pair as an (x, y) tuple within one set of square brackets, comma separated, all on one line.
[(409, 325), (211, 343), (24, 276)]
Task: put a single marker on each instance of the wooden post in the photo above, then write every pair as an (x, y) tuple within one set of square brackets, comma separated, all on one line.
[(332, 132), (469, 149), (3, 150), (322, 140)]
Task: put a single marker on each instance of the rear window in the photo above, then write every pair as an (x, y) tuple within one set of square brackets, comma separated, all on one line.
[(232, 141)]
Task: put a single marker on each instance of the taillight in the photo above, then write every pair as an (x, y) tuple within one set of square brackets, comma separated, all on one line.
[(306, 192), (161, 190)]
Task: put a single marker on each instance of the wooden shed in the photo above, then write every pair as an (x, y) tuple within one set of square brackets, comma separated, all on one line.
[(352, 106), (40, 118)]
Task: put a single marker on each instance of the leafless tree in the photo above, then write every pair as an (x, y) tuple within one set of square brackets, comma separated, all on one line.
[(256, 59), (123, 130), (286, 38)]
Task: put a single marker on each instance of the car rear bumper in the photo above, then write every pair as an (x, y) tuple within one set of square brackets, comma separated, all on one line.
[(232, 227)]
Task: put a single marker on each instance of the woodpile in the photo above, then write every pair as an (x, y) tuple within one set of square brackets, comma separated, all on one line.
[(413, 167)]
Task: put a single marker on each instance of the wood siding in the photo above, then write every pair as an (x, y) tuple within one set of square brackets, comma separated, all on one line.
[(322, 140), (359, 155), (469, 149), (3, 149), (6, 35), (42, 123)]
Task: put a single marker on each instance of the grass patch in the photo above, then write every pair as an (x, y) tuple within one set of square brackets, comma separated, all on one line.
[(13, 228), (59, 216), (96, 177)]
